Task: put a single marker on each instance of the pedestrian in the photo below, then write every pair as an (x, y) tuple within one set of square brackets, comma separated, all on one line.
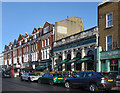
[(70, 73)]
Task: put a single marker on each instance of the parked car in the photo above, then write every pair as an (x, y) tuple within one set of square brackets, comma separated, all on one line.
[(118, 80), (30, 76), (51, 78), (91, 80), (6, 74)]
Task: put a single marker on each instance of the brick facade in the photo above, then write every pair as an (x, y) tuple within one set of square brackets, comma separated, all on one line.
[(27, 48), (109, 7)]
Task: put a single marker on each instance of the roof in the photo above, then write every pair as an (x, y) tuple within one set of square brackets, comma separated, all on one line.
[(73, 18), (106, 1)]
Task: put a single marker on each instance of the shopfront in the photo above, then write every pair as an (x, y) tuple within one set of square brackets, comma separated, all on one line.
[(76, 52), (109, 61)]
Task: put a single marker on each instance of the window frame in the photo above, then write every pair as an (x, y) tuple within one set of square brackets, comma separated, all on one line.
[(107, 21), (43, 43), (46, 29), (109, 42)]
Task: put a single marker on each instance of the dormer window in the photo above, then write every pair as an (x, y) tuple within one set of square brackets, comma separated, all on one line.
[(46, 29)]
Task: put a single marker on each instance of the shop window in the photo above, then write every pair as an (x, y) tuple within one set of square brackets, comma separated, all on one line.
[(103, 66), (60, 68), (114, 65), (90, 63), (78, 66), (68, 67)]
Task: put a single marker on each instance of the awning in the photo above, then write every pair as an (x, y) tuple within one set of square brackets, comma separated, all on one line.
[(86, 58), (59, 63), (72, 60), (40, 67), (83, 59)]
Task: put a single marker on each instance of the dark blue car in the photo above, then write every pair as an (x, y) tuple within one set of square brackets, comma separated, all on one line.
[(91, 80)]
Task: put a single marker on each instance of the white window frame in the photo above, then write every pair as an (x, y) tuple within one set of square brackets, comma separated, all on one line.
[(107, 26), (49, 41), (43, 43), (45, 29), (20, 42), (107, 42)]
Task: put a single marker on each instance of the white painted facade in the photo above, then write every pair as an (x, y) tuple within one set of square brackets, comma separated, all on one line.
[(15, 60), (5, 62), (34, 56), (10, 61), (20, 59), (25, 58), (45, 53)]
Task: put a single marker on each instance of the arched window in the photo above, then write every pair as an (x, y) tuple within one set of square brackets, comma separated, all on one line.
[(69, 56), (78, 55), (60, 58), (90, 53)]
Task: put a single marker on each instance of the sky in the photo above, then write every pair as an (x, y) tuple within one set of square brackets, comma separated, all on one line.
[(21, 17)]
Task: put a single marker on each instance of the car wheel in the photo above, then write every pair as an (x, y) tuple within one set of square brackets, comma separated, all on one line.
[(67, 84), (108, 89), (93, 87), (51, 82), (39, 81), (21, 79)]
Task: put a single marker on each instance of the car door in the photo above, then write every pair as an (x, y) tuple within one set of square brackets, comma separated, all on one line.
[(24, 75), (86, 78), (44, 79), (76, 79)]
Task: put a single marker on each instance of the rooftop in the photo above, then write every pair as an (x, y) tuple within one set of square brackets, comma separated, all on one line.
[(105, 1)]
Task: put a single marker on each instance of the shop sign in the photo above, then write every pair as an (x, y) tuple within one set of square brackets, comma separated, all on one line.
[(110, 54), (74, 45)]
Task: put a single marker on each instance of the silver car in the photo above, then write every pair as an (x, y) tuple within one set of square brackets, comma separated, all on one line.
[(30, 76)]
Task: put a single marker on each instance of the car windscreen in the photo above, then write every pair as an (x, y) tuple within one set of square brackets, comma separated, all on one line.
[(57, 75), (32, 74), (38, 74)]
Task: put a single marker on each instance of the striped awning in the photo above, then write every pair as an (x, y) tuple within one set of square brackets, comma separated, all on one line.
[(72, 60), (59, 63), (83, 59)]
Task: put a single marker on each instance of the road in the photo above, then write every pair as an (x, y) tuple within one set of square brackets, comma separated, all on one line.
[(16, 85)]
